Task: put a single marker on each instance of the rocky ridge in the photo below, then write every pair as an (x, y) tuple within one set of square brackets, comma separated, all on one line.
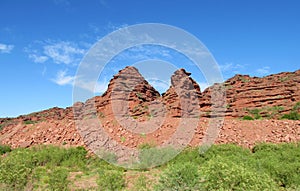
[(267, 98)]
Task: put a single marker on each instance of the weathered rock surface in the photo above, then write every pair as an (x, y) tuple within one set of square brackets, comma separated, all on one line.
[(132, 112), (270, 96)]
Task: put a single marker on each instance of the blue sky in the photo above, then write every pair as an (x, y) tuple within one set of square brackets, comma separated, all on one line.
[(43, 42)]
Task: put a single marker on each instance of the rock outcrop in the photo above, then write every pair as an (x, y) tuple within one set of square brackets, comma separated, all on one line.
[(130, 101), (268, 97)]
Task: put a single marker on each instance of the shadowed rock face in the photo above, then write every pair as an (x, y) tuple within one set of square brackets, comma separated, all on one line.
[(182, 98), (129, 95)]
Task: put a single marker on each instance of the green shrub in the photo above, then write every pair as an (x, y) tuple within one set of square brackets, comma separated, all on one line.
[(56, 156), (40, 178), (256, 113), (4, 149), (141, 184), (281, 161), (28, 122), (189, 155), (247, 117), (107, 156), (293, 115), (182, 176), (296, 106), (58, 179), (111, 180), (223, 174), (15, 169), (153, 157), (229, 151)]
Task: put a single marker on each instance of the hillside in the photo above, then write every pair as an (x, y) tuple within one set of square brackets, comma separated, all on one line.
[(266, 99)]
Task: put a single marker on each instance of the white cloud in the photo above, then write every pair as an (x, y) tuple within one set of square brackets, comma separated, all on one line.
[(59, 52), (6, 48), (38, 59), (231, 67), (63, 79), (63, 52), (263, 71)]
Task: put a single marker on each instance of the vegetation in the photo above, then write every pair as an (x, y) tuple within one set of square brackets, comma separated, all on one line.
[(294, 113), (247, 117), (292, 116), (28, 122), (111, 180), (273, 113), (4, 149), (221, 167), (180, 176)]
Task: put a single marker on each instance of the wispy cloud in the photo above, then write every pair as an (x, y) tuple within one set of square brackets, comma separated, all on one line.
[(59, 52), (63, 52), (38, 59), (63, 79), (6, 48), (263, 71), (231, 67)]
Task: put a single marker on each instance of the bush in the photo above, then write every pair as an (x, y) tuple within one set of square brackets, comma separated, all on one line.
[(182, 176), (111, 180), (223, 174), (56, 156), (296, 106), (58, 179), (107, 156), (15, 169), (281, 161), (153, 157), (256, 113), (293, 115), (229, 151), (247, 117), (189, 155), (141, 184), (4, 149), (28, 122)]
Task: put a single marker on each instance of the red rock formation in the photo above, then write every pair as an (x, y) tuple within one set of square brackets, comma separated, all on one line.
[(130, 96)]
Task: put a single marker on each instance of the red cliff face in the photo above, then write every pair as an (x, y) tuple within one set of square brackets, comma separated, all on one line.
[(268, 97), (183, 92), (130, 95)]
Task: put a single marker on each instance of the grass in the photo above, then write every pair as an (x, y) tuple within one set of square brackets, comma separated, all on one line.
[(273, 112), (247, 117), (28, 122), (221, 167), (294, 113), (4, 149)]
